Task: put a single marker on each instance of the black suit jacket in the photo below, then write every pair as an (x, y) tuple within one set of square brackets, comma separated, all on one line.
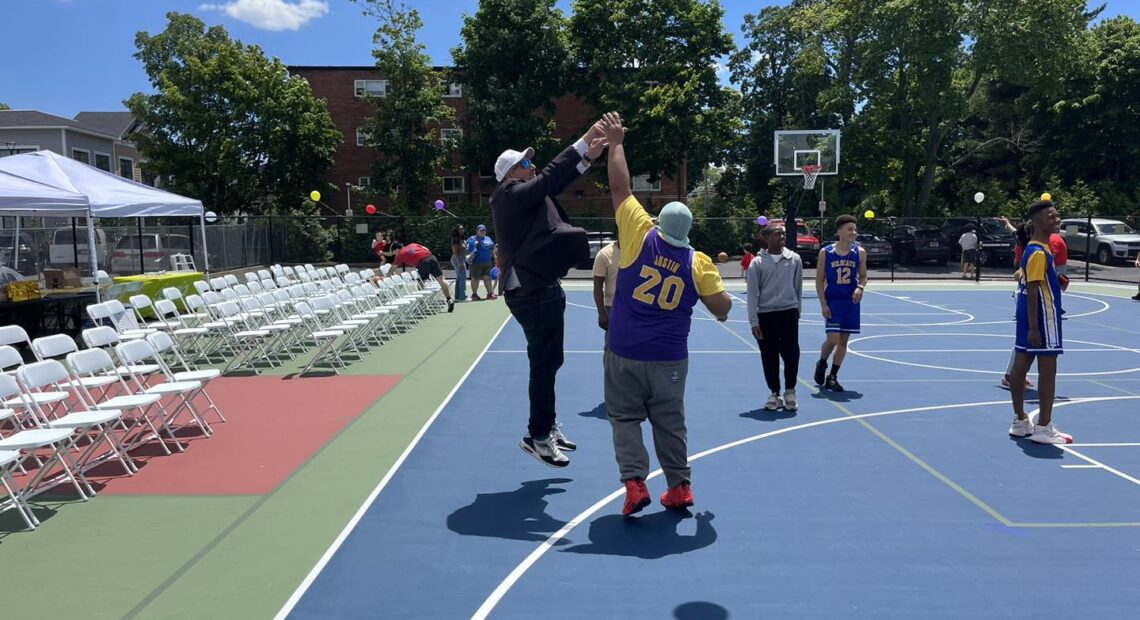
[(534, 235)]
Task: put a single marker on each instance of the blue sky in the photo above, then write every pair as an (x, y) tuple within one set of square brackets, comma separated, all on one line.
[(67, 56)]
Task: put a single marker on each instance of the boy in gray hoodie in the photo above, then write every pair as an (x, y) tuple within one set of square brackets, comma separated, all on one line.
[(775, 295)]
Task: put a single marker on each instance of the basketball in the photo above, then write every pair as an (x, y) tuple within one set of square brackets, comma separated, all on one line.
[(1064, 279), (869, 214), (723, 256)]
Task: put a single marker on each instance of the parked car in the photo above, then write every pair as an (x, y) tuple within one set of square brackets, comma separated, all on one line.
[(597, 240), (156, 251), (28, 262), (807, 244), (912, 245), (61, 252), (878, 249), (995, 243), (1108, 240)]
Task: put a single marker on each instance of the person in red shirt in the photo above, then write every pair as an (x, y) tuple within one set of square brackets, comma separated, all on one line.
[(379, 244), (1060, 252), (422, 260), (747, 259)]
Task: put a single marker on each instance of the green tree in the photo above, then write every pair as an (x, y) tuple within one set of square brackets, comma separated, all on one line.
[(4, 106), (403, 129), (655, 62), (227, 125), (513, 63)]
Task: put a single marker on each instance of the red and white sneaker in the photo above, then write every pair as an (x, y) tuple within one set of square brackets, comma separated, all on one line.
[(1049, 434), (636, 497), (679, 497), (1005, 382)]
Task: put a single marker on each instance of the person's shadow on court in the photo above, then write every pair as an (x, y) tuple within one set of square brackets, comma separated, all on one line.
[(1038, 450), (651, 537), (764, 415), (598, 412), (845, 396), (700, 610), (516, 515)]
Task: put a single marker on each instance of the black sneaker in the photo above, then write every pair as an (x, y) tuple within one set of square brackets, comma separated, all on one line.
[(820, 371), (1136, 297), (561, 440), (546, 451), (451, 305), (833, 384)]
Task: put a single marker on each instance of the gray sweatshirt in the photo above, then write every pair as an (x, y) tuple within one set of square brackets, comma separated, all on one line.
[(774, 283)]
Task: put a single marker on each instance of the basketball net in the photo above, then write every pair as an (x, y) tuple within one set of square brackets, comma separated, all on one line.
[(811, 172)]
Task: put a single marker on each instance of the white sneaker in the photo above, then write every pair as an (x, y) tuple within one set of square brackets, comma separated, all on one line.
[(1049, 434), (1021, 428), (545, 450), (773, 403), (790, 400)]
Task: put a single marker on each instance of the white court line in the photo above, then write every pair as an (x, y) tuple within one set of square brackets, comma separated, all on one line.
[(336, 544), (1080, 467), (1093, 461), (853, 351), (1005, 350), (509, 581), (599, 352), (1104, 445)]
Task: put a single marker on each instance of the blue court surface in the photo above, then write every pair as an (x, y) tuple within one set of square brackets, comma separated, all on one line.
[(901, 498)]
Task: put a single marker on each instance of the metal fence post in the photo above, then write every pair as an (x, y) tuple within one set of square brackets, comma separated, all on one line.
[(1088, 244)]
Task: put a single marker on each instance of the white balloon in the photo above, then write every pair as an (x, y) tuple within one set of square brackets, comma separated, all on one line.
[(979, 197), (210, 217)]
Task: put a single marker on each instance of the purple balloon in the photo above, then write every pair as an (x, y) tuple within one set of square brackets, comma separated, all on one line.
[(761, 221), (439, 205)]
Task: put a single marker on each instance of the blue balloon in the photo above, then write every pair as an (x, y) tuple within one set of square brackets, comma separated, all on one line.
[(761, 221)]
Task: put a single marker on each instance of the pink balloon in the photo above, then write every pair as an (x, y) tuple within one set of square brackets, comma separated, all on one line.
[(439, 205)]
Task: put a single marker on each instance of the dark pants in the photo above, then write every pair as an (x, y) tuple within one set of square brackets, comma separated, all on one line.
[(781, 331), (542, 317)]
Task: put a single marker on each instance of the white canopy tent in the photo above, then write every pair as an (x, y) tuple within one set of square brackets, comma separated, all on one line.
[(103, 194)]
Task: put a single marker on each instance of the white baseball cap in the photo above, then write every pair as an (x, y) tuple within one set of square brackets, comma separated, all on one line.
[(509, 159)]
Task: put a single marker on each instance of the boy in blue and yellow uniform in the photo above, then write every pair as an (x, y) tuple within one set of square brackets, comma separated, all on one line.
[(839, 282), (1038, 329), (660, 279)]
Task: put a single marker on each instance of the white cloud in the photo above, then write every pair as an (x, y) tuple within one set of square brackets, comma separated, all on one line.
[(272, 14)]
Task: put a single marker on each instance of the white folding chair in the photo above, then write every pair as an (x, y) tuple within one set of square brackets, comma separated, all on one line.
[(323, 338), (163, 345), (140, 303), (9, 462), (182, 392), (29, 442), (149, 414)]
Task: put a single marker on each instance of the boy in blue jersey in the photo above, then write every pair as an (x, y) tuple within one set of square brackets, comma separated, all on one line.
[(660, 279), (840, 276), (1038, 329)]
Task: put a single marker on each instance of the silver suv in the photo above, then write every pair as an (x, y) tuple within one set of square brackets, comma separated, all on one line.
[(1107, 240)]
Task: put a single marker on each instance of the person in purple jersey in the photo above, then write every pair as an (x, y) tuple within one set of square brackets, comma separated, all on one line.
[(660, 279), (840, 276)]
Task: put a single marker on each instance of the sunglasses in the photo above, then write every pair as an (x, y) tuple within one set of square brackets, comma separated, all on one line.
[(526, 164)]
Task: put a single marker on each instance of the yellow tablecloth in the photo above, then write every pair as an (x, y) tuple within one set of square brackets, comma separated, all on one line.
[(152, 284)]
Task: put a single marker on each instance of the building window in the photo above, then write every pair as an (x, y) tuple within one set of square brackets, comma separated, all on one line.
[(127, 168), (449, 134), (454, 185), (16, 149), (454, 90), (486, 173), (370, 88), (485, 199), (82, 155), (640, 183), (103, 161), (364, 182), (361, 137)]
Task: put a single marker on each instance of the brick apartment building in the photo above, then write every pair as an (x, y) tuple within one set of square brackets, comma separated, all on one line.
[(344, 89)]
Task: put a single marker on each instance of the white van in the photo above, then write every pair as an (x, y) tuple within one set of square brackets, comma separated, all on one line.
[(61, 253)]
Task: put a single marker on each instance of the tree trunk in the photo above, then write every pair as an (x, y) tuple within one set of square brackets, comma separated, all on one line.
[(933, 144)]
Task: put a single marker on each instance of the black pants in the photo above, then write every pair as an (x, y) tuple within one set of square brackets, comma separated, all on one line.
[(781, 331), (542, 317)]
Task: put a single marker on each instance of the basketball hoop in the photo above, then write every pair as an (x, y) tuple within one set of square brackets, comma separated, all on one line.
[(811, 172)]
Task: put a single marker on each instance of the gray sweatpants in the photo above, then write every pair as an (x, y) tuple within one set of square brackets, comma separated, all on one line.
[(635, 391)]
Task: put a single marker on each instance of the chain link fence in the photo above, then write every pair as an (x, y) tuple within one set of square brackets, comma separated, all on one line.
[(1100, 248)]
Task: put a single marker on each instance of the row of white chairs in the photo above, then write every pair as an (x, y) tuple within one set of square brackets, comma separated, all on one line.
[(114, 394)]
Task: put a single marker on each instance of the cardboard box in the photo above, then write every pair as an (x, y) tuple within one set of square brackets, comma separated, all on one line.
[(62, 278)]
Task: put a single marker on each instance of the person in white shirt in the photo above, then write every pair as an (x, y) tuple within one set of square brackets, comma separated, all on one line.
[(775, 296), (606, 265), (969, 243)]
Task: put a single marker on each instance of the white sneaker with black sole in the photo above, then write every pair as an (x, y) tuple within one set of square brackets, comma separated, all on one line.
[(545, 450), (561, 440), (774, 402)]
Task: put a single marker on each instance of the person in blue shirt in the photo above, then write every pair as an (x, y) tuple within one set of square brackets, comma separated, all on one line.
[(479, 248), (840, 276)]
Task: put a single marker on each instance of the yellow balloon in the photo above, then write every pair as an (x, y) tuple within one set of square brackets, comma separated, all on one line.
[(315, 196), (869, 214), (1046, 196)]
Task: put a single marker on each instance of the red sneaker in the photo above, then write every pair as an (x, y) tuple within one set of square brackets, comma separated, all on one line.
[(1028, 383), (636, 497), (679, 497), (1005, 381)]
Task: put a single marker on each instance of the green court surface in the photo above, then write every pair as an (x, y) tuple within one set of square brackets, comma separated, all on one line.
[(236, 556)]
